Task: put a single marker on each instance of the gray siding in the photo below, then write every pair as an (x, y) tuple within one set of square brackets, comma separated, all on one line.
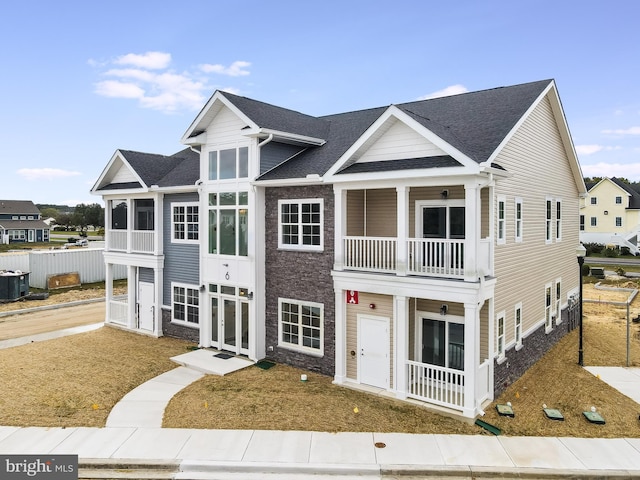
[(181, 261), (274, 153), (145, 275)]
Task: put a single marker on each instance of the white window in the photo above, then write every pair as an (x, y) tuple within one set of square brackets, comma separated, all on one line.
[(594, 221), (184, 222), (185, 304), (548, 222), (301, 326), (558, 220), (229, 164), (581, 223), (618, 200), (594, 200), (548, 325), (518, 219), (518, 325), (500, 335), (300, 224), (229, 223), (558, 308), (618, 221), (501, 234)]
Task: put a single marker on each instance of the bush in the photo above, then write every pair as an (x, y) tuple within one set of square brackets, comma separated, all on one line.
[(593, 248), (625, 251), (610, 252), (586, 270), (71, 240), (620, 271)]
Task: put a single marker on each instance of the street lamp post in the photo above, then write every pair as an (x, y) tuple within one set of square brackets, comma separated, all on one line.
[(580, 253)]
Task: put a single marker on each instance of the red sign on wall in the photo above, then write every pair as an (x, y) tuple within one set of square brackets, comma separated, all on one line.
[(352, 297)]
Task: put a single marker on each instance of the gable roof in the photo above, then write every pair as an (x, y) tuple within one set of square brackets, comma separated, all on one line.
[(634, 196), (180, 169), (474, 124), (18, 207)]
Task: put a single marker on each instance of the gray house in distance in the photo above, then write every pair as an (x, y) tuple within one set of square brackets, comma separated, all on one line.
[(403, 249), (20, 221)]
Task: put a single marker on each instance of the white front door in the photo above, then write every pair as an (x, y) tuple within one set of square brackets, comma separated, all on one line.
[(30, 235), (373, 351), (146, 306), (230, 323)]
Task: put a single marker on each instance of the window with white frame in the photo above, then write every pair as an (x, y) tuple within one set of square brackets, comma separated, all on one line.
[(301, 326), (185, 302), (501, 234), (547, 307), (581, 223), (300, 224), (548, 220), (229, 163), (594, 200), (184, 222), (558, 307), (229, 223), (618, 221), (594, 221), (518, 324), (518, 220), (618, 200), (500, 335), (558, 220)]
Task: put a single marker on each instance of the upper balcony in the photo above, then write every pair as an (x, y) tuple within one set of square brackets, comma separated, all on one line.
[(132, 233), (441, 232)]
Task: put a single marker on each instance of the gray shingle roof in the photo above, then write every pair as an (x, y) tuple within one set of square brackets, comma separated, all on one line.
[(23, 207), (23, 224), (474, 123), (634, 196), (405, 164)]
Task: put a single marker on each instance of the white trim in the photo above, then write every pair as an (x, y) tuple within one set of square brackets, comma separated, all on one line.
[(557, 296), (318, 352), (500, 352), (185, 323), (548, 309), (501, 230), (300, 246), (558, 219), (184, 205), (517, 307), (518, 222), (360, 317), (548, 222)]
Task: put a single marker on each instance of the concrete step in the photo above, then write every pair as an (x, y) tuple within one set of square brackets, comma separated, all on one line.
[(105, 469)]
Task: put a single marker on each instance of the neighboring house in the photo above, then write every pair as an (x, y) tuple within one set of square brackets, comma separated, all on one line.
[(610, 215), (425, 249), (20, 221)]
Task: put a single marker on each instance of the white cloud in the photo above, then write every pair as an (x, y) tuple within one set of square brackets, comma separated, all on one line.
[(236, 69), (628, 131), (234, 91), (32, 174), (602, 169), (591, 149), (150, 60), (445, 92), (148, 79)]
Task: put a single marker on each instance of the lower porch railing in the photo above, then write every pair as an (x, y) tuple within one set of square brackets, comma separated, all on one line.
[(118, 310), (142, 241), (434, 384)]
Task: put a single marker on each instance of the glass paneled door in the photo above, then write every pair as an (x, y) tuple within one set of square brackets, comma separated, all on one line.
[(443, 343), (229, 319), (442, 226)]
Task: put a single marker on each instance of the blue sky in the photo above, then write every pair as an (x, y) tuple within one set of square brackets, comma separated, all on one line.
[(81, 79)]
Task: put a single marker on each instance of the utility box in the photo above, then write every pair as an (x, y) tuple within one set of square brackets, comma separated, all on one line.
[(13, 285)]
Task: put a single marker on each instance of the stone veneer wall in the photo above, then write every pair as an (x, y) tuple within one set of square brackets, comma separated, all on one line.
[(533, 349), (299, 275), (178, 331)]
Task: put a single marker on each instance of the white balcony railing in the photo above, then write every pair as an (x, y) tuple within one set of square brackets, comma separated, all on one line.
[(437, 257), (118, 311), (373, 254), (142, 241), (439, 385)]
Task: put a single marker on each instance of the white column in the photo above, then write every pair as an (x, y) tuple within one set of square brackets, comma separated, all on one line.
[(158, 224), (401, 345), (402, 214), (340, 325), (471, 352), (107, 225), (472, 218), (132, 303), (108, 287), (158, 281), (130, 224), (340, 224)]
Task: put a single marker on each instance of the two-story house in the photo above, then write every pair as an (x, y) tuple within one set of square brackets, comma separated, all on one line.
[(610, 215), (20, 221), (425, 249)]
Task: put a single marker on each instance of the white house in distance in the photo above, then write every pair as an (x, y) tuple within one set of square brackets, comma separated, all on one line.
[(405, 248), (610, 215)]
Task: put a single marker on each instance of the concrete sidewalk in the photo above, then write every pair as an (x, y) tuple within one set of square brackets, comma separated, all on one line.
[(200, 454)]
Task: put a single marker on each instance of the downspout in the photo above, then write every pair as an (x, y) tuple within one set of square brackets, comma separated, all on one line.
[(266, 140)]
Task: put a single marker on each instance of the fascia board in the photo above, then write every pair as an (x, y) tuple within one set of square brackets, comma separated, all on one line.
[(202, 116), (402, 174), (287, 182), (258, 132), (394, 111)]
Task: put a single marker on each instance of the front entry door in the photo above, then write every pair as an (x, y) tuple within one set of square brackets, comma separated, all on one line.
[(373, 351), (230, 324), (145, 306)]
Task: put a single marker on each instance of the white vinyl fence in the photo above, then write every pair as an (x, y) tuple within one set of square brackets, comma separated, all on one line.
[(88, 262)]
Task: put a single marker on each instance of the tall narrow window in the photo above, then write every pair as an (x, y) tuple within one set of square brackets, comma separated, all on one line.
[(228, 223), (594, 221), (618, 221), (558, 220), (548, 221), (518, 324), (518, 219), (547, 307), (582, 223), (500, 335), (558, 307), (501, 220)]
